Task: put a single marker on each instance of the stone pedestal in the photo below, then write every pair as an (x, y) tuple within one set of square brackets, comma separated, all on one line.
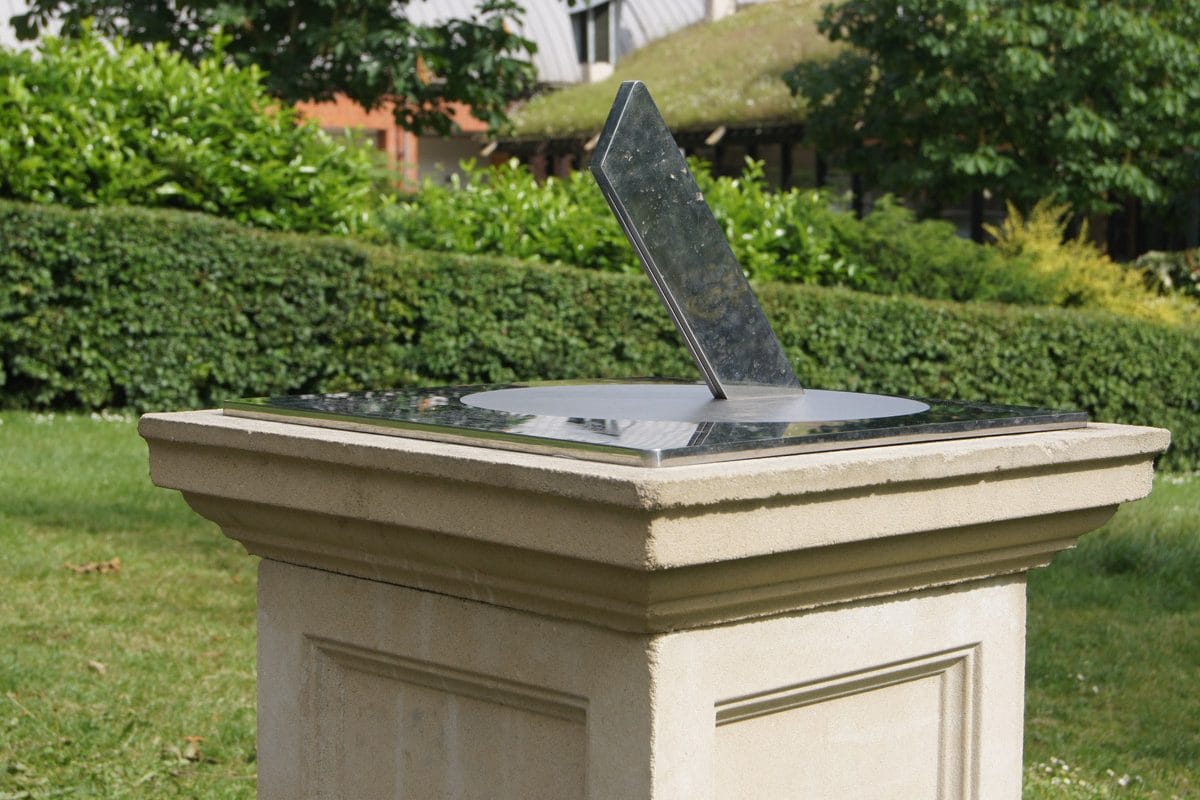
[(444, 621)]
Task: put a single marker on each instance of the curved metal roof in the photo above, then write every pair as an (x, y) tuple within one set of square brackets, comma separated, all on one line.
[(548, 24)]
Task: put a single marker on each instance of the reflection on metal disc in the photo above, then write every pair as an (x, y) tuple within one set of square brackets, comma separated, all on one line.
[(688, 403)]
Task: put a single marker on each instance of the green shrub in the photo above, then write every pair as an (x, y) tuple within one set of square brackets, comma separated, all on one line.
[(152, 309), (788, 236), (927, 258), (794, 236), (84, 122), (504, 211)]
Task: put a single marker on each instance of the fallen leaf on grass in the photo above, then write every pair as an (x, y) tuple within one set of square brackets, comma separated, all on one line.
[(191, 751), (98, 667), (102, 567), (188, 754)]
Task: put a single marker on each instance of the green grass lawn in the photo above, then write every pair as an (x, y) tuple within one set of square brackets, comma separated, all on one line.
[(140, 682), (104, 676), (1113, 673)]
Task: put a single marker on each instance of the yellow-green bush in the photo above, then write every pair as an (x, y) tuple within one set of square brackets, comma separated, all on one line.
[(1081, 274)]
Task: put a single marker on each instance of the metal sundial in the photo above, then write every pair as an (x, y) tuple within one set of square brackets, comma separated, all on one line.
[(647, 183), (751, 403)]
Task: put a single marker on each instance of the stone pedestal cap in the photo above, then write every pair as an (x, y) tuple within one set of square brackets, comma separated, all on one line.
[(648, 550)]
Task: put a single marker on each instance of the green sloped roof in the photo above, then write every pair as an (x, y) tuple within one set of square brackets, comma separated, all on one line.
[(716, 73)]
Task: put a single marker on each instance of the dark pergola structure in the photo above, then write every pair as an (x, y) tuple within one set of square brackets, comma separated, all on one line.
[(725, 147)]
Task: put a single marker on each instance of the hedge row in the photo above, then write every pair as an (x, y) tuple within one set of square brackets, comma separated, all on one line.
[(153, 310)]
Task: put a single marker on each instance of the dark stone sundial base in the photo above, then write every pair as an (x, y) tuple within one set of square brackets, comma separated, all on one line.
[(650, 423)]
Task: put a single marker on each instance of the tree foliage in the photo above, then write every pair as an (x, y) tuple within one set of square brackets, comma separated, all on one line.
[(314, 49), (1086, 102)]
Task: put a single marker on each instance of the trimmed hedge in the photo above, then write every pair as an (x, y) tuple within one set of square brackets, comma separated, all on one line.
[(155, 309)]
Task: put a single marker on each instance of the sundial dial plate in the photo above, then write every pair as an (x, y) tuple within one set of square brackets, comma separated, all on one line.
[(452, 414)]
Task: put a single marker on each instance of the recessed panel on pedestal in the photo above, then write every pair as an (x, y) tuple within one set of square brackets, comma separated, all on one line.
[(899, 732), (386, 725)]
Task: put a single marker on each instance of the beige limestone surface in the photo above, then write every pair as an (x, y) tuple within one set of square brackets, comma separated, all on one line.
[(649, 549), (445, 621), (369, 690)]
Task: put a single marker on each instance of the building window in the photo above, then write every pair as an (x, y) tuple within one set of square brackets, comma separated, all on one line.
[(595, 29)]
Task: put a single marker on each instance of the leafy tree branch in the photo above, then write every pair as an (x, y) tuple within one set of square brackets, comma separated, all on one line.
[(1088, 102), (367, 50)]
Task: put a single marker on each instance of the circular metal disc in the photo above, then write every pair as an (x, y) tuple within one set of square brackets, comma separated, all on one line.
[(688, 403)]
